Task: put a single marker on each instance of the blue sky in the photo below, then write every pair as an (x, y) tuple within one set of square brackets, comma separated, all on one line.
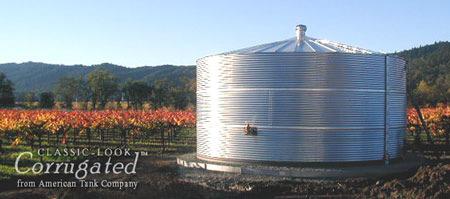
[(136, 33)]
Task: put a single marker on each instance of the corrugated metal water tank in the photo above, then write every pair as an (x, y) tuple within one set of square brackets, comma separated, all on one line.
[(303, 100)]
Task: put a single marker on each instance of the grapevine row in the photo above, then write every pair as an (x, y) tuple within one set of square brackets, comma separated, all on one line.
[(29, 125), (437, 121)]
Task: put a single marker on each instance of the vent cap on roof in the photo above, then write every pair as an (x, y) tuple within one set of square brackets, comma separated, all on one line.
[(300, 33)]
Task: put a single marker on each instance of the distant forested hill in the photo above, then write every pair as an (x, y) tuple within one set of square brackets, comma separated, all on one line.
[(429, 72), (38, 77)]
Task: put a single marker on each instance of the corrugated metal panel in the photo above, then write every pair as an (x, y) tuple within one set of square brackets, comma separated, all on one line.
[(396, 96), (308, 107)]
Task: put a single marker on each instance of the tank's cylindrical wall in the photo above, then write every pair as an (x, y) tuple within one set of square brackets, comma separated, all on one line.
[(396, 104), (308, 107)]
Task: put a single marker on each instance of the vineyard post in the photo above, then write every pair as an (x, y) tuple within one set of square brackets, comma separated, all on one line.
[(74, 140), (102, 136), (88, 134), (424, 124), (31, 139), (417, 136), (169, 129), (446, 136), (40, 132), (62, 132), (162, 139), (173, 133), (121, 133), (57, 137), (48, 138), (124, 136), (169, 135), (446, 123)]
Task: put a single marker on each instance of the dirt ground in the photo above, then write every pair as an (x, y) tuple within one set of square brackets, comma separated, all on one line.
[(160, 177)]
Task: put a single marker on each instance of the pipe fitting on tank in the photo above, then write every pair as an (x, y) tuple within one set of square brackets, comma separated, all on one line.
[(250, 130)]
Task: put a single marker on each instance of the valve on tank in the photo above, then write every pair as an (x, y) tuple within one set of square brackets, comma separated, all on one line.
[(250, 130)]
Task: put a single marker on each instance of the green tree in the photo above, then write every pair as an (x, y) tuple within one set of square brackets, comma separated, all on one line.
[(419, 96), (423, 93), (161, 95), (46, 100), (430, 64), (125, 87), (102, 85), (6, 92), (443, 88), (167, 94), (30, 98), (136, 93), (69, 89), (179, 96), (83, 94), (189, 92)]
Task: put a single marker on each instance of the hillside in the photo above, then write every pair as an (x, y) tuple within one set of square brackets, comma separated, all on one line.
[(429, 66), (33, 76)]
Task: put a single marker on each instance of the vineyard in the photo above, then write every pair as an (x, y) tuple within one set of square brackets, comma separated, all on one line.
[(109, 127), (122, 128), (435, 125)]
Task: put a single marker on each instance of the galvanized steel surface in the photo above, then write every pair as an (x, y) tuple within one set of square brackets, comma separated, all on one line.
[(302, 43), (396, 104), (307, 107), (306, 44)]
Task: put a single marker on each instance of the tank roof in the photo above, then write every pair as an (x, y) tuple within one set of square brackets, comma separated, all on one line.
[(303, 43)]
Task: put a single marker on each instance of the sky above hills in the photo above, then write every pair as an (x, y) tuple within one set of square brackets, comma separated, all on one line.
[(137, 33)]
